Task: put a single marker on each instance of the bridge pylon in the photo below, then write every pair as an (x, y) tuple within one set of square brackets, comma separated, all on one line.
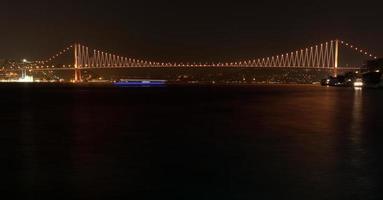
[(77, 70), (336, 57)]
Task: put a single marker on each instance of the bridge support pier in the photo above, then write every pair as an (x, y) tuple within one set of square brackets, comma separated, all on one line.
[(77, 75), (335, 72)]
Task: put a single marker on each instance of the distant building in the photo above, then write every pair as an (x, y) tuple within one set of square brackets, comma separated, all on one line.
[(373, 65), (373, 76)]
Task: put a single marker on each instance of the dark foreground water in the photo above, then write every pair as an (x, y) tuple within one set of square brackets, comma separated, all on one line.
[(237, 142)]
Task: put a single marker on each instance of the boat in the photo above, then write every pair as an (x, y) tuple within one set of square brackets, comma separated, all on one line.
[(358, 83), (139, 82)]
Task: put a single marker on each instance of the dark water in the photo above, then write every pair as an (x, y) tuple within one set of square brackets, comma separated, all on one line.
[(253, 142)]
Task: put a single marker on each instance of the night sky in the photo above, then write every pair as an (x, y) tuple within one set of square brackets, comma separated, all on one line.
[(185, 30)]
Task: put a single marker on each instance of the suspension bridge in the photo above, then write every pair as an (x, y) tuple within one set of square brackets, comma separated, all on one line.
[(322, 56)]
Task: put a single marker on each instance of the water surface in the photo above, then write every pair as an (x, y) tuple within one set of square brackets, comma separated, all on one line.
[(222, 142)]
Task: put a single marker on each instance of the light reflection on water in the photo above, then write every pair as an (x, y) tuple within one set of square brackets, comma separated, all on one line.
[(357, 117), (265, 142)]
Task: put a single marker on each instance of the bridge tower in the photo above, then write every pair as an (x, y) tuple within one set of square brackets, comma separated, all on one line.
[(77, 71), (336, 62)]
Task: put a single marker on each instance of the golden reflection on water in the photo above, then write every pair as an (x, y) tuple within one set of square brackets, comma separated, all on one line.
[(357, 117)]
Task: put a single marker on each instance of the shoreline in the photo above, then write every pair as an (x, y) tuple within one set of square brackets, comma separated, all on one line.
[(112, 85)]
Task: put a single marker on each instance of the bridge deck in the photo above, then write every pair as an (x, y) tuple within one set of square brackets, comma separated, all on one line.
[(190, 67)]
